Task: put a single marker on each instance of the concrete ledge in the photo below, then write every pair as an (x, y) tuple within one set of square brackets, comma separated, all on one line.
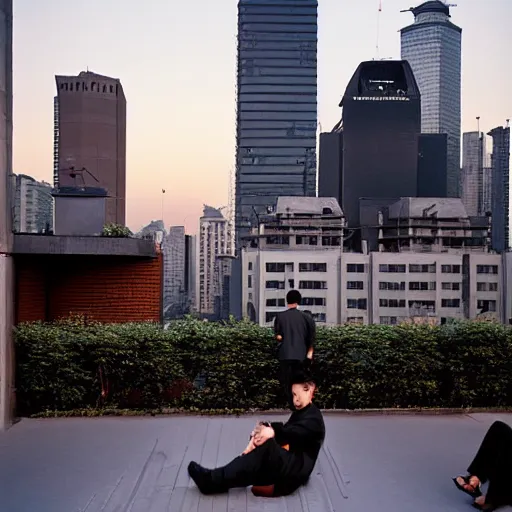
[(83, 246)]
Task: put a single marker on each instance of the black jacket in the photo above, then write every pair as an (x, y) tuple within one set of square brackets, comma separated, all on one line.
[(304, 432), (298, 331)]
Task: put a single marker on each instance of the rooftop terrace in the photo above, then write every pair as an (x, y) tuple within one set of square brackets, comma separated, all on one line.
[(368, 463)]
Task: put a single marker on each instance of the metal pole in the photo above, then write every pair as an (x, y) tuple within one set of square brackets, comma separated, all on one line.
[(6, 236)]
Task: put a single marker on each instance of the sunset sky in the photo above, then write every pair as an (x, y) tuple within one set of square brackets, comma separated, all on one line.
[(177, 64)]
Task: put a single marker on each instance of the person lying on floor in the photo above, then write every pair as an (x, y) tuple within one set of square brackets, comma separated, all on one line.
[(273, 468), (493, 464)]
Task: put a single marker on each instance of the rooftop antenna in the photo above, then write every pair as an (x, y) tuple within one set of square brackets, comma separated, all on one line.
[(378, 31), (478, 124), (508, 123)]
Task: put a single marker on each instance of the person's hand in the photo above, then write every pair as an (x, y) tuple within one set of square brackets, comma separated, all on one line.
[(309, 355), (250, 447), (263, 434)]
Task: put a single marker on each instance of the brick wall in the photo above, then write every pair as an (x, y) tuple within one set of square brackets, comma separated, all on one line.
[(105, 289)]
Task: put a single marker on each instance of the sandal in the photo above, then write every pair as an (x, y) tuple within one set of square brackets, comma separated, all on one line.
[(485, 507), (477, 491)]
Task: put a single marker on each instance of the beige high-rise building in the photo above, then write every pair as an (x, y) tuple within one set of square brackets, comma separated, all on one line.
[(90, 137)]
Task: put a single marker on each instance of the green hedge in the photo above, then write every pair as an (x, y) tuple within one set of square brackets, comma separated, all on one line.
[(206, 366)]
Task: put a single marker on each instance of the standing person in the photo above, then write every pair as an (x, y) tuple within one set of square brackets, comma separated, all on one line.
[(280, 456), (295, 331), (492, 463)]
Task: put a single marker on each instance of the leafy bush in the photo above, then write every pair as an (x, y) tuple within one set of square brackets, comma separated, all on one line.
[(199, 366), (116, 231)]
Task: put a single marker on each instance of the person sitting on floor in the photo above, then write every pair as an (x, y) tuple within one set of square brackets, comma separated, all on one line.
[(492, 463), (273, 468)]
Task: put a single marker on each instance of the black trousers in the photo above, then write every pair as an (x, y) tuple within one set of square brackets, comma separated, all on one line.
[(287, 369), (268, 464), (493, 463)]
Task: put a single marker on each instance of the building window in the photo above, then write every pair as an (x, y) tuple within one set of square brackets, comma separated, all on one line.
[(355, 320), (277, 267), (392, 269), (392, 286), (487, 287), (250, 265), (428, 305), (306, 240), (312, 267), (486, 305), (450, 286), (278, 240), (270, 316), (319, 317), (331, 241), (355, 285), (450, 303), (312, 285), (422, 269), (355, 268), (273, 303), (422, 286), (357, 304), (388, 320), (313, 301), (274, 285), (392, 303), (487, 269), (450, 269), (249, 281)]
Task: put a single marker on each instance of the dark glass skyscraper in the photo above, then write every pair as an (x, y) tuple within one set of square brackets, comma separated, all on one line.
[(381, 126), (500, 195), (276, 104)]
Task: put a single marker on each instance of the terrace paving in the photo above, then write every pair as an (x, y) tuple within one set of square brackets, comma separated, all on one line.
[(368, 463)]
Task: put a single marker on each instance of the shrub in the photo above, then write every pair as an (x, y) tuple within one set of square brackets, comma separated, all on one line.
[(199, 365)]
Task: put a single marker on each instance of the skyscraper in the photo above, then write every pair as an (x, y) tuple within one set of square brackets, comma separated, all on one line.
[(500, 161), (381, 126), (90, 137), (214, 243), (276, 104), (432, 46), (472, 179)]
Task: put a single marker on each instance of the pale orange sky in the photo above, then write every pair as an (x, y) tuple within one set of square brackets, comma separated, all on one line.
[(177, 64)]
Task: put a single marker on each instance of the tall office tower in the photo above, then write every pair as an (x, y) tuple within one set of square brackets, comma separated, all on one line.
[(91, 137), (33, 205), (276, 105), (56, 142), (432, 46), (381, 126), (472, 177), (276, 112), (500, 160), (214, 242)]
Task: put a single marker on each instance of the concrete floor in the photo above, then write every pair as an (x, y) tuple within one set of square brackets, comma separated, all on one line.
[(368, 463)]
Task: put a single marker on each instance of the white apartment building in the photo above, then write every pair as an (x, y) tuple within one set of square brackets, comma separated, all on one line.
[(33, 205), (338, 287), (214, 240)]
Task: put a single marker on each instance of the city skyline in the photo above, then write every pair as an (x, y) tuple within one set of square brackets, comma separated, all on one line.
[(170, 110)]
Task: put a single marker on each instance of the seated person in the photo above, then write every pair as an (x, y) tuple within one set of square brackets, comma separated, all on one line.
[(492, 463), (267, 462)]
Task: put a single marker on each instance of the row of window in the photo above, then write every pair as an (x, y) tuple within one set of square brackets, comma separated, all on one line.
[(422, 286), (288, 267), (306, 301), (327, 241), (359, 268), (303, 285), (400, 303), (317, 317)]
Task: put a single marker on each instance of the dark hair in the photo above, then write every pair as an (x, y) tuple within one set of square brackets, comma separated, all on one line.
[(293, 297)]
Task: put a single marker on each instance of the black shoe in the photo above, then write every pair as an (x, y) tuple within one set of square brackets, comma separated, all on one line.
[(202, 478)]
